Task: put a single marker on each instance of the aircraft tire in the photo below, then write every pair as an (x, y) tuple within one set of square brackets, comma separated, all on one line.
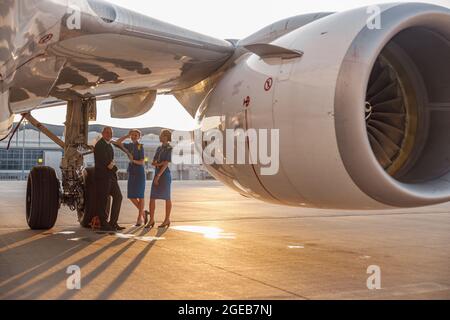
[(42, 200), (85, 216)]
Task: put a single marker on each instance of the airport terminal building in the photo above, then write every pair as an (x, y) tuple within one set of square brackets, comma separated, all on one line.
[(30, 148)]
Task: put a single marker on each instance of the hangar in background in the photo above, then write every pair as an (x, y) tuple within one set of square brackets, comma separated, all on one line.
[(30, 148)]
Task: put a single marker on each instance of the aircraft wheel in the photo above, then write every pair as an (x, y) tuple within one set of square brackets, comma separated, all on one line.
[(85, 216), (42, 202)]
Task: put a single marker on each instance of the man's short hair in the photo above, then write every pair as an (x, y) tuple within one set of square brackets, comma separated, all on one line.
[(107, 128)]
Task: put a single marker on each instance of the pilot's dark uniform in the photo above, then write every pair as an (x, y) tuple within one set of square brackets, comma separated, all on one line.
[(106, 184)]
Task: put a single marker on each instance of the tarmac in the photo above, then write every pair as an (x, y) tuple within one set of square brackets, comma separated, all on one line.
[(222, 246)]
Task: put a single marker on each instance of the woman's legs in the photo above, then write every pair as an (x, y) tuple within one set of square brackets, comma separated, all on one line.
[(168, 211), (135, 202), (140, 205), (141, 208), (152, 211)]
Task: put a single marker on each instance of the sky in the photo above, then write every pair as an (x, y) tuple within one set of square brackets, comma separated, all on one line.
[(231, 19)]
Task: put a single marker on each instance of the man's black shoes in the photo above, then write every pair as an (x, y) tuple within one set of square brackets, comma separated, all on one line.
[(108, 228), (119, 228)]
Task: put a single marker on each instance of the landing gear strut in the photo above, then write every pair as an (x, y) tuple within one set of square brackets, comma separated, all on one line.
[(44, 195), (76, 147)]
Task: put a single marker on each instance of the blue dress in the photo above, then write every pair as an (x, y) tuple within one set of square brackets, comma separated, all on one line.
[(136, 173), (163, 190)]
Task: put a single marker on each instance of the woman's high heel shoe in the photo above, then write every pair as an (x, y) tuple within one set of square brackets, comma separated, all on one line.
[(146, 217), (150, 226), (165, 225), (139, 222)]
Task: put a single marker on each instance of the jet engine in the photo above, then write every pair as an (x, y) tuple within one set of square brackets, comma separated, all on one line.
[(362, 104)]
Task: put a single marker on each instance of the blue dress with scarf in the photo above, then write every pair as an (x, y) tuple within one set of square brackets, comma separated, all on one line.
[(136, 173), (163, 190)]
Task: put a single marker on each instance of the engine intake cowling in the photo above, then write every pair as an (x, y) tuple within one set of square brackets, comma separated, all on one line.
[(364, 114)]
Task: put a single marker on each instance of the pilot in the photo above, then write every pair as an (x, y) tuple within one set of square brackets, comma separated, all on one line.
[(107, 182)]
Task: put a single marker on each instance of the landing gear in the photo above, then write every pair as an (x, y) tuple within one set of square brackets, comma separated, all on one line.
[(86, 214), (75, 148), (42, 202), (78, 187)]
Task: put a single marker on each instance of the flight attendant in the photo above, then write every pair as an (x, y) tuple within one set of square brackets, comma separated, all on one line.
[(136, 173), (161, 187)]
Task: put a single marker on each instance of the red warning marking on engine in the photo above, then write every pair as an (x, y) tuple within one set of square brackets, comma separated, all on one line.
[(268, 85), (46, 38), (247, 102)]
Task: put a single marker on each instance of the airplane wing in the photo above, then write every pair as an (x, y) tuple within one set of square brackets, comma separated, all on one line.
[(52, 51)]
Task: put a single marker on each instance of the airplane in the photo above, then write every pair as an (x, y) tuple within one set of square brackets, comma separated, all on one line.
[(362, 100)]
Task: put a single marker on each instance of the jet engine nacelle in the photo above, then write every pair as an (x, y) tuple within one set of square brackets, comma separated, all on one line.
[(363, 114)]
